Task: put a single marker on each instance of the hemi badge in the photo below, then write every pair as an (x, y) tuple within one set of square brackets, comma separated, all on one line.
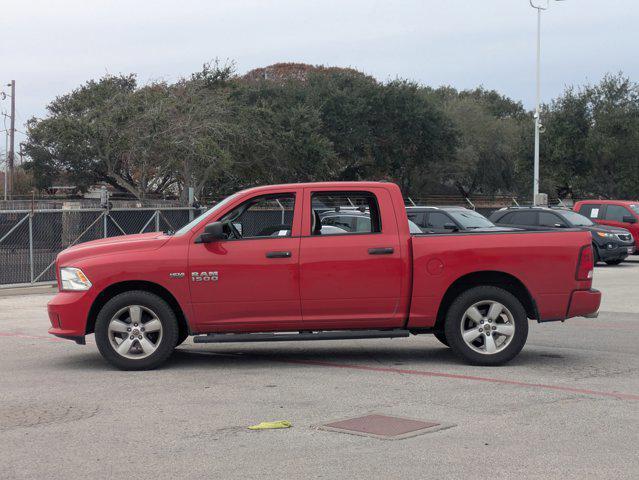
[(176, 275)]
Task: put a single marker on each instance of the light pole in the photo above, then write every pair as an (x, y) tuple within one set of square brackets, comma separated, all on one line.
[(540, 5)]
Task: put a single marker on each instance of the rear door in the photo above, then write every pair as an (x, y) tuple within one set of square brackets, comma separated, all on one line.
[(350, 279)]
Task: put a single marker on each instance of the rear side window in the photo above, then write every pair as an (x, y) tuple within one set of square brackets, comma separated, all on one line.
[(508, 218), (590, 210), (524, 218), (519, 218), (417, 218), (615, 213), (330, 213)]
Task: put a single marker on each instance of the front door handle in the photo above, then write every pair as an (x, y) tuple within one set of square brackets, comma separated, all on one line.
[(381, 251), (278, 254)]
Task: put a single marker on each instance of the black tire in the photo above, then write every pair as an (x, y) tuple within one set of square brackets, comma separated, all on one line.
[(181, 337), (595, 252), (456, 314), (164, 314), (613, 262), (441, 336)]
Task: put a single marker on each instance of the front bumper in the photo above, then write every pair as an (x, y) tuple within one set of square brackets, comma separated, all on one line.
[(68, 313), (584, 303), (618, 252)]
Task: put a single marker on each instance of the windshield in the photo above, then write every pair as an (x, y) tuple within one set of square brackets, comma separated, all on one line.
[(470, 219), (576, 219), (193, 223), (635, 208)]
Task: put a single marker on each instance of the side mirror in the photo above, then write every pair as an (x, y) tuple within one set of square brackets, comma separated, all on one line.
[(629, 219), (212, 233), (450, 226)]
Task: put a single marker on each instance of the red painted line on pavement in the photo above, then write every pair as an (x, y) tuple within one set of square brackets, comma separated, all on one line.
[(425, 373)]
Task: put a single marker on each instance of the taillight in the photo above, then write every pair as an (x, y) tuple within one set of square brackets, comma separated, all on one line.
[(586, 263)]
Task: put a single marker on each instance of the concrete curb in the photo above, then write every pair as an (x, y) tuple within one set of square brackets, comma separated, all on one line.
[(29, 290)]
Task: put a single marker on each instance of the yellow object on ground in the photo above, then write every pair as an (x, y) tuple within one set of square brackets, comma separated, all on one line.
[(269, 425)]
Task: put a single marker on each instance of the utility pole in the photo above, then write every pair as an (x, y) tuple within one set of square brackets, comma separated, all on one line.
[(6, 164), (12, 137), (539, 5)]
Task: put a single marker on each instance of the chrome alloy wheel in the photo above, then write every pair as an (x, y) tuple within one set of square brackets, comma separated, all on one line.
[(135, 332), (487, 327)]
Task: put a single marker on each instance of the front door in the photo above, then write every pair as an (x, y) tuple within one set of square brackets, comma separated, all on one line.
[(350, 275), (250, 282)]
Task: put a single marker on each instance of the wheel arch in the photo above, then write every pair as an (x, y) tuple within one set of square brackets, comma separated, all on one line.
[(116, 288), (503, 280)]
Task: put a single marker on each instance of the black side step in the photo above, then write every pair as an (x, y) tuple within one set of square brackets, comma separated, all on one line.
[(287, 337)]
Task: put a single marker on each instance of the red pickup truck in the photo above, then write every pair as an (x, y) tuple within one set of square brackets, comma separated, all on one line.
[(261, 266)]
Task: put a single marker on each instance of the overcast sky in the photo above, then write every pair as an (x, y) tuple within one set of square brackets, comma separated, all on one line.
[(50, 47)]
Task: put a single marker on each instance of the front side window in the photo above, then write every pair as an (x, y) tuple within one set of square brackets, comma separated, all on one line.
[(547, 219), (471, 219), (200, 218), (263, 216), (615, 213), (635, 208), (576, 219), (438, 220), (335, 213)]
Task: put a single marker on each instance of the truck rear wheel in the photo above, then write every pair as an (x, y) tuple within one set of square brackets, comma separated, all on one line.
[(486, 325), (136, 330)]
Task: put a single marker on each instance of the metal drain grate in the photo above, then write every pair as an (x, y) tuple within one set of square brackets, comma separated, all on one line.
[(384, 426)]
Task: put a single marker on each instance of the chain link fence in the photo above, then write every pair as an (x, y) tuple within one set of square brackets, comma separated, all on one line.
[(31, 239)]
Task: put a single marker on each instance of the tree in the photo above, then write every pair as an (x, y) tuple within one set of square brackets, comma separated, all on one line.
[(489, 128), (592, 140)]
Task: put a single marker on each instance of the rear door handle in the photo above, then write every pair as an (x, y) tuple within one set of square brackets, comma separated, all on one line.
[(381, 251), (278, 254)]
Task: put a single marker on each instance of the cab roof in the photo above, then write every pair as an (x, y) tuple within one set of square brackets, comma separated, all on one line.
[(609, 202)]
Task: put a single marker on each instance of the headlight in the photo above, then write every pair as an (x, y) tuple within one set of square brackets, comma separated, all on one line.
[(73, 279), (604, 234)]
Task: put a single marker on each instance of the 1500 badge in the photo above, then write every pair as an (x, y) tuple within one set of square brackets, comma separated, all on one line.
[(204, 276)]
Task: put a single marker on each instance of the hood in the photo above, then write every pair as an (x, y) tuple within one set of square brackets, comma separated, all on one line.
[(606, 229), (105, 246)]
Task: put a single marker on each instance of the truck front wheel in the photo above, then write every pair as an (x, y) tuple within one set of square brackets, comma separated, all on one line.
[(136, 330), (486, 325), (441, 336)]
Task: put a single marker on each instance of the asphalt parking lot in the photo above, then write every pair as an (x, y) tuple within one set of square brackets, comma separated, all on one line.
[(567, 407)]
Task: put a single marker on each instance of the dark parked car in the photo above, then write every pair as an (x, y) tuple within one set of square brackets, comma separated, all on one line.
[(447, 219), (351, 220), (614, 213), (610, 244)]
